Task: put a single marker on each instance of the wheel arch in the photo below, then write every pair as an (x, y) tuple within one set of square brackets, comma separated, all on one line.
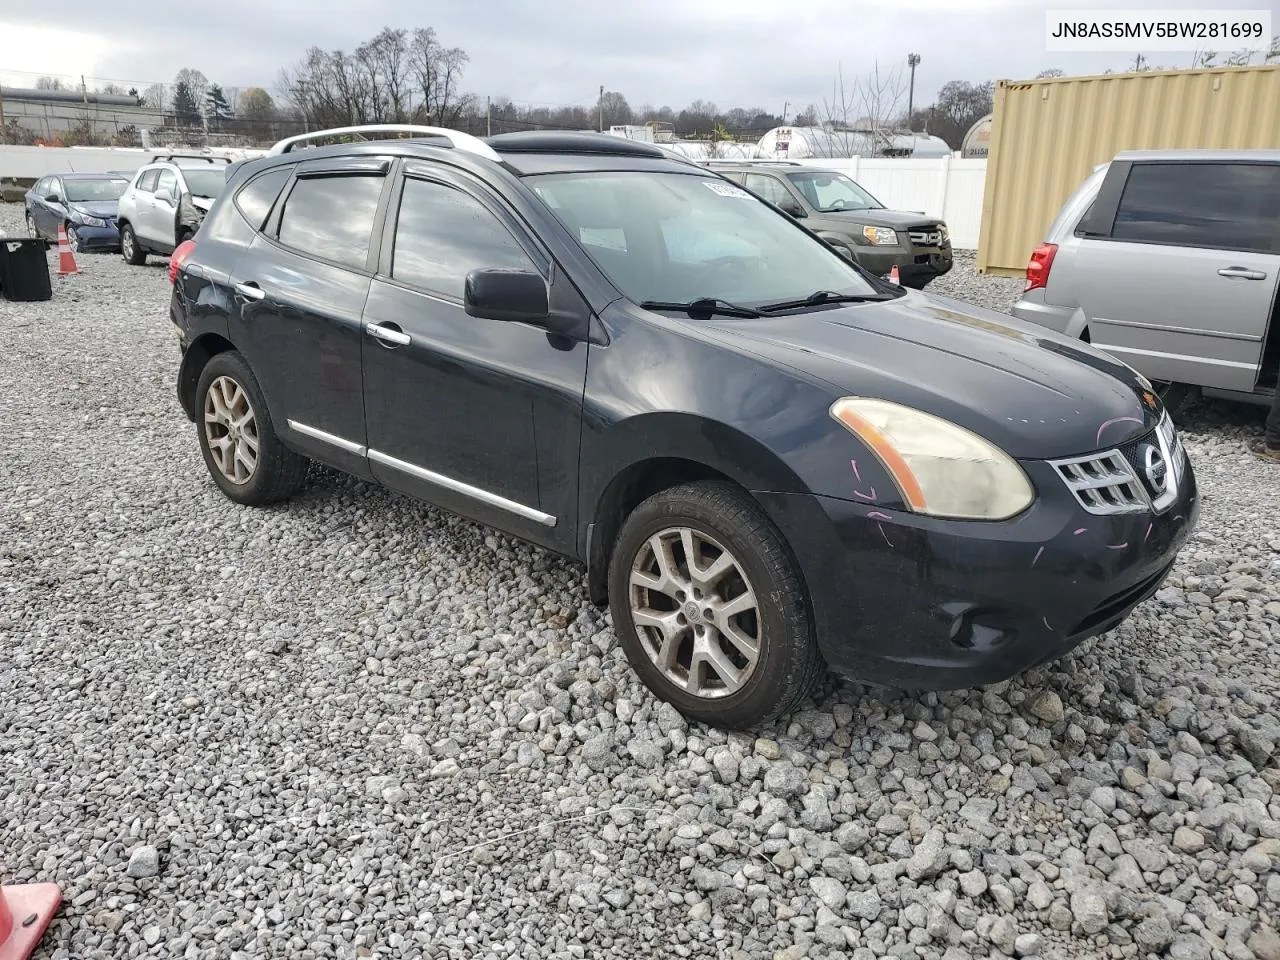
[(693, 449), (194, 359)]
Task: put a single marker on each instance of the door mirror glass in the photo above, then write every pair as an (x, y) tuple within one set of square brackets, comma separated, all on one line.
[(517, 295), (791, 207)]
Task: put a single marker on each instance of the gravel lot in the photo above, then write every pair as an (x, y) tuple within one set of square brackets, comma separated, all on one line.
[(352, 726)]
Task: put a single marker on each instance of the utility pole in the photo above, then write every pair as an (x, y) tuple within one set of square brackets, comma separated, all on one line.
[(785, 105), (488, 117), (600, 109), (3, 139), (913, 59)]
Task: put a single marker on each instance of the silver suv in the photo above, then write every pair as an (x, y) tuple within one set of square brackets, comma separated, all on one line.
[(1168, 259), (165, 203)]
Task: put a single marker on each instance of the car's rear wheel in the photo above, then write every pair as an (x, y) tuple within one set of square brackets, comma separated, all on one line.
[(31, 226), (244, 455), (73, 238), (710, 607), (130, 249)]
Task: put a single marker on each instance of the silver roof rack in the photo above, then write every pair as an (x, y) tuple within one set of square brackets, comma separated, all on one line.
[(457, 139), (751, 162)]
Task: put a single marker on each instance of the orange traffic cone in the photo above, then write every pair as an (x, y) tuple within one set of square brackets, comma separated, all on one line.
[(893, 275), (25, 912), (66, 261)]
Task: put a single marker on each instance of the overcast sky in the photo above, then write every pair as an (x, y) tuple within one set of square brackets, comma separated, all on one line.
[(732, 52)]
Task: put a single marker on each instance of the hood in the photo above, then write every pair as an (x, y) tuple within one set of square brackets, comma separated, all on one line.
[(202, 204), (1036, 394), (97, 208), (900, 219)]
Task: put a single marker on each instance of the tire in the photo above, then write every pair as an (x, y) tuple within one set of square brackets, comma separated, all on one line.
[(1176, 397), (73, 238), (715, 517), (32, 231), (130, 249), (226, 392)]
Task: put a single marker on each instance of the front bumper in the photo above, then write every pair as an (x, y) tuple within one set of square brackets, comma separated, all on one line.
[(914, 602), (98, 238), (916, 265)]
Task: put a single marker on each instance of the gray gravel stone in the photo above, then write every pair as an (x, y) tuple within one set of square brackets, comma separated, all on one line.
[(785, 780), (865, 904), (1089, 909), (144, 862)]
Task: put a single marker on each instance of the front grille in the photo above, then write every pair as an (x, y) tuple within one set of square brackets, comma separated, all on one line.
[(926, 238), (1121, 480), (1103, 483)]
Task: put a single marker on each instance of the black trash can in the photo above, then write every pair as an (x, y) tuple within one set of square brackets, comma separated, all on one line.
[(24, 269)]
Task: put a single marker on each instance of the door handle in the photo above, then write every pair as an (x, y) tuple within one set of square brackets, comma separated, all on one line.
[(250, 291), (388, 333), (1242, 273)]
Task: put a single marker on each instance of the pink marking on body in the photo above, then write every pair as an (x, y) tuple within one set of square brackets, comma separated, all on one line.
[(1045, 621), (1177, 518), (1080, 531), (1113, 420), (1117, 546), (1037, 556), (877, 515), (866, 496), (856, 474), (883, 534), (1149, 526)]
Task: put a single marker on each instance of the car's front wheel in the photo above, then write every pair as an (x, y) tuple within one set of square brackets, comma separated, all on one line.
[(73, 238), (244, 455), (710, 607), (130, 249), (31, 226)]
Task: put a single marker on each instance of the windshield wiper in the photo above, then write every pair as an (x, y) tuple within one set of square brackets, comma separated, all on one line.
[(702, 306), (819, 298)]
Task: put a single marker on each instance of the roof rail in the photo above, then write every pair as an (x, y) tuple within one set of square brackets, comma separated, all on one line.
[(738, 163), (166, 157), (457, 139)]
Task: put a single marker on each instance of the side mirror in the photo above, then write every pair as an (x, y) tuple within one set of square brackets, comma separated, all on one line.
[(515, 295), (52, 198), (793, 208)]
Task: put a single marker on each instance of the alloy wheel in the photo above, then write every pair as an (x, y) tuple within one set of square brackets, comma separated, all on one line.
[(231, 430), (73, 239), (695, 612), (31, 227)]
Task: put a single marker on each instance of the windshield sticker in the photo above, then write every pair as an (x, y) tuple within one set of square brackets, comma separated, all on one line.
[(726, 189)]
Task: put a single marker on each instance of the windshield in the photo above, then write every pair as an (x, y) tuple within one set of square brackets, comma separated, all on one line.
[(205, 183), (87, 191), (832, 192), (675, 238)]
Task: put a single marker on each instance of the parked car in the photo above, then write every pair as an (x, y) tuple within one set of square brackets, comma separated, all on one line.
[(743, 449), (166, 202), (84, 203), (840, 211), (1169, 259)]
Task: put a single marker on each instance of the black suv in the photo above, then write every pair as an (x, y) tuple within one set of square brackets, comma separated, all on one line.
[(856, 224), (768, 459)]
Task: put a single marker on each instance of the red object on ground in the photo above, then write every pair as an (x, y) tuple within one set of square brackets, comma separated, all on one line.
[(25, 912), (893, 275), (66, 260)]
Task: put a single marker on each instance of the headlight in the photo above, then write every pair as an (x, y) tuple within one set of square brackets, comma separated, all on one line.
[(940, 469), (88, 221), (880, 236), (946, 234)]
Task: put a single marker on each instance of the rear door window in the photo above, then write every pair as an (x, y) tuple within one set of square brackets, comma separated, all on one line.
[(147, 182), (331, 217), (167, 180), (1225, 206)]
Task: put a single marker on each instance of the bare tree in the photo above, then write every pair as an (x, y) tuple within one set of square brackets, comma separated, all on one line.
[(49, 83), (1050, 74), (154, 96), (437, 73)]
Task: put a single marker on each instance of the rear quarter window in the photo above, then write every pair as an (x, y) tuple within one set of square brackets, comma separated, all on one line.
[(256, 198)]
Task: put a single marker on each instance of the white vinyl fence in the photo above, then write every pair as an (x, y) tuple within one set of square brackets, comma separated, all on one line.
[(945, 187)]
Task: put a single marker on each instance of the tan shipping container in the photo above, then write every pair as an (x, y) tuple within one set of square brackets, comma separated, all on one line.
[(1049, 134)]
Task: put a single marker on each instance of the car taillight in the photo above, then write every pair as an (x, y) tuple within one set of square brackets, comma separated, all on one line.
[(1038, 266), (179, 255)]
